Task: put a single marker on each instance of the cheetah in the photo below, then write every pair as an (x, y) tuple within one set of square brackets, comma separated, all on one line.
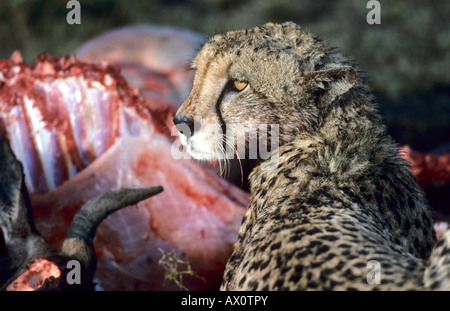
[(338, 201)]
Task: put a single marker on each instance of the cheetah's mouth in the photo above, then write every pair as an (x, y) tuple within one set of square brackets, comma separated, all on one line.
[(199, 147), (210, 143)]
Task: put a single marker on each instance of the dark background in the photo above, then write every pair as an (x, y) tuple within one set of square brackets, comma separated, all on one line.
[(406, 57)]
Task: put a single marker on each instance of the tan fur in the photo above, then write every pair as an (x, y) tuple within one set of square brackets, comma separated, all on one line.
[(338, 195), (78, 249)]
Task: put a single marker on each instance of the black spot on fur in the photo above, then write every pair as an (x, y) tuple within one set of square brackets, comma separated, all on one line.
[(275, 246)]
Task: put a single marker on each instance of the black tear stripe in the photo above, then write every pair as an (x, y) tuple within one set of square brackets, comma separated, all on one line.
[(219, 113)]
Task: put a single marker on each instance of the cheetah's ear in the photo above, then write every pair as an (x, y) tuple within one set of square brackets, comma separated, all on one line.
[(331, 83)]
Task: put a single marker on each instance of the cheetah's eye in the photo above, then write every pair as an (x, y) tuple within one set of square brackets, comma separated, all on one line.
[(239, 85)]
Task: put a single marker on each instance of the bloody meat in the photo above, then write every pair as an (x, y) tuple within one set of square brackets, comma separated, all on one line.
[(81, 130)]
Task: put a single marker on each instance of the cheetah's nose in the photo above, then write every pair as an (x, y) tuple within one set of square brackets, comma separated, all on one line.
[(184, 125)]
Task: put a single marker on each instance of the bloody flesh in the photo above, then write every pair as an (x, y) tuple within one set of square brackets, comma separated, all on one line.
[(34, 277), (80, 130)]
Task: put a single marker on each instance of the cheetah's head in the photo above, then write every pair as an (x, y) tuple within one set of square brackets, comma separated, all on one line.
[(278, 75)]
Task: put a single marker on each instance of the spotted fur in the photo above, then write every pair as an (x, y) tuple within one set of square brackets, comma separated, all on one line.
[(339, 194)]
